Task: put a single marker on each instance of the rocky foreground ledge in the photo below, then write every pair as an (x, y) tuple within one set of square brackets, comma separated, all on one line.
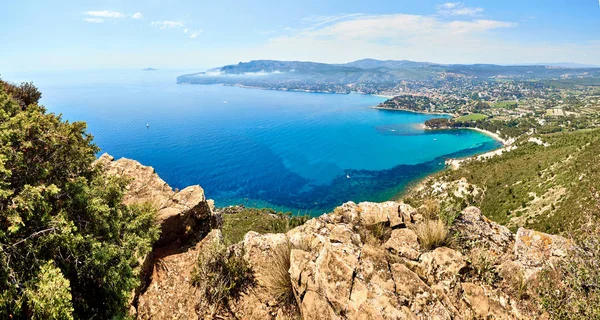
[(340, 268)]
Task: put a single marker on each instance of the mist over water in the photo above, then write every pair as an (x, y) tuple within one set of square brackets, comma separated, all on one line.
[(302, 152)]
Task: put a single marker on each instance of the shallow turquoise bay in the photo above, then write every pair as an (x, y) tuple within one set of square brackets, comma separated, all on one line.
[(302, 152)]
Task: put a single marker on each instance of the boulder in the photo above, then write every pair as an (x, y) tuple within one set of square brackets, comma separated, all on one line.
[(404, 243), (180, 214), (533, 249), (477, 300), (442, 265), (476, 228)]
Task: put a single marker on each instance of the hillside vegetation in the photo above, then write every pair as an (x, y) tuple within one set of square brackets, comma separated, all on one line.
[(543, 188)]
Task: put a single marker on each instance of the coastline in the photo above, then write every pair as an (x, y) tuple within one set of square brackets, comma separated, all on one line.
[(455, 163), (291, 90), (452, 163), (493, 135), (412, 111), (382, 95)]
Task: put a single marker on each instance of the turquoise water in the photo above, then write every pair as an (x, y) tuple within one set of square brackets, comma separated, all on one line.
[(303, 152)]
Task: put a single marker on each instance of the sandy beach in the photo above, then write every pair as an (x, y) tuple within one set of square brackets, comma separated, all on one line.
[(383, 96), (491, 134)]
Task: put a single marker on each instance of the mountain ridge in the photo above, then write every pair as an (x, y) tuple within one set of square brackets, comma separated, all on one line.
[(370, 75)]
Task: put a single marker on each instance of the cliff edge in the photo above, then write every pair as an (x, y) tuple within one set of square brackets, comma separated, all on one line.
[(362, 261)]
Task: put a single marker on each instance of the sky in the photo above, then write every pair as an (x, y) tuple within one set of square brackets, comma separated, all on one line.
[(44, 35)]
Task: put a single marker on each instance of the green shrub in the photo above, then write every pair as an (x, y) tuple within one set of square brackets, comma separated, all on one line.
[(62, 221), (237, 221), (25, 93), (50, 296)]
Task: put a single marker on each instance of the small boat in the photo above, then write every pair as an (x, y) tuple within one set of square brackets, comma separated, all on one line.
[(224, 101), (147, 125), (434, 139), (347, 176)]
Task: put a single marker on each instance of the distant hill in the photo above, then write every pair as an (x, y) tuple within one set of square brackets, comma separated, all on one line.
[(390, 64), (323, 77), (568, 65), (149, 69)]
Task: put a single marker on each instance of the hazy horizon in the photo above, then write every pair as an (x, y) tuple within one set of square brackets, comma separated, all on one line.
[(71, 35)]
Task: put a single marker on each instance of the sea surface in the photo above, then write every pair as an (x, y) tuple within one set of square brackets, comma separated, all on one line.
[(301, 152)]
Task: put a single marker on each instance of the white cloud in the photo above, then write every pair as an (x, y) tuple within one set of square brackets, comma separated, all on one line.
[(93, 20), (396, 28), (321, 20), (449, 5), (137, 16), (389, 36), (478, 26), (457, 9), (194, 34), (167, 24), (105, 14)]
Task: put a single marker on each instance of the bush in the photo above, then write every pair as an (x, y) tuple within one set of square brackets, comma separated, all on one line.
[(237, 221), (25, 93), (432, 234), (62, 221), (222, 274), (50, 297)]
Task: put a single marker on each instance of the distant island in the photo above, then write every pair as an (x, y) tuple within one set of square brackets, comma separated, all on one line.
[(149, 69)]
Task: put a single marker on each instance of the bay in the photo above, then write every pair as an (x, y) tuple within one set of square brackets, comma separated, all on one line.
[(292, 151)]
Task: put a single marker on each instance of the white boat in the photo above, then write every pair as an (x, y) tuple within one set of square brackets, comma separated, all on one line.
[(147, 125), (347, 176)]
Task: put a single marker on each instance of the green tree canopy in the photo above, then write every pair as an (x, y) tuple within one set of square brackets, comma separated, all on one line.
[(69, 248)]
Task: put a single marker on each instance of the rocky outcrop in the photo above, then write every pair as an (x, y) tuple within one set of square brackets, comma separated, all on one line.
[(362, 261), (534, 250), (358, 280), (181, 214), (338, 271), (184, 217), (473, 227)]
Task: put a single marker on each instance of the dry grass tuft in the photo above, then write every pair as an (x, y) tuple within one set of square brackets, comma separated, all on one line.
[(375, 234), (432, 234), (430, 209), (278, 281)]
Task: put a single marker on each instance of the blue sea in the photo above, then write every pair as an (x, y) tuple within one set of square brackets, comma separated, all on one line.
[(293, 151)]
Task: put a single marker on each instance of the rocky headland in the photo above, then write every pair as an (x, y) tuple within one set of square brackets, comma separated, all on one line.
[(361, 261)]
